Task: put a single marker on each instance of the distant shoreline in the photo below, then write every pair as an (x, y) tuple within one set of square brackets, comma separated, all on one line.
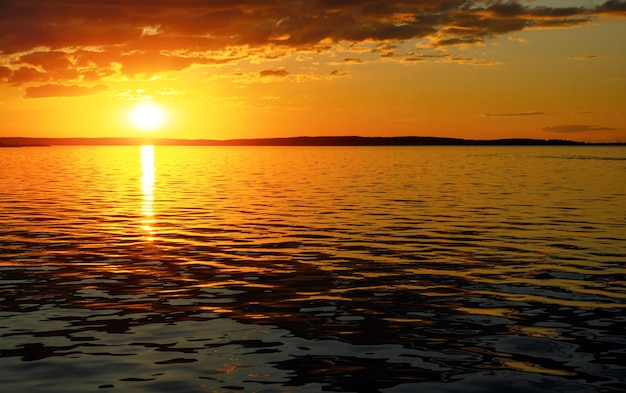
[(294, 141)]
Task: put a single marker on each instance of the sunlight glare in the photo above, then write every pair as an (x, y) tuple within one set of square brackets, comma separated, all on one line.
[(147, 116), (147, 188)]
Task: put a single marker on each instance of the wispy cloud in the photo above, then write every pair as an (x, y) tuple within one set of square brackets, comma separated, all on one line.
[(517, 39), (574, 128), (585, 57), (531, 113)]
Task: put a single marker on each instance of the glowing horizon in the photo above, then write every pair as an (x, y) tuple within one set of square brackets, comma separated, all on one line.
[(474, 70)]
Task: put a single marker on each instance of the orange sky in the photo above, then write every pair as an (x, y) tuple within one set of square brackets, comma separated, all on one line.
[(481, 69)]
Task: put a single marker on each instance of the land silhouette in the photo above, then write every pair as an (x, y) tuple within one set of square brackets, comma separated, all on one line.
[(293, 141)]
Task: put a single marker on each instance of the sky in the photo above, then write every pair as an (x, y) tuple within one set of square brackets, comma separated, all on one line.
[(228, 69)]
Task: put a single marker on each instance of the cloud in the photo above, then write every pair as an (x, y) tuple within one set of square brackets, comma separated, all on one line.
[(52, 90), (27, 75), (70, 41), (352, 60), (574, 128), (5, 73), (313, 76), (531, 113), (48, 60), (520, 40), (272, 75), (613, 6), (585, 57), (470, 61), (134, 95), (280, 73)]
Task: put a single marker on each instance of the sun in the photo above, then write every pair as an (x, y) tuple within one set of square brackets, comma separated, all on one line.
[(147, 116)]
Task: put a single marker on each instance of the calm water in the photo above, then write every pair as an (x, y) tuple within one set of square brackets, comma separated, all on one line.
[(377, 269)]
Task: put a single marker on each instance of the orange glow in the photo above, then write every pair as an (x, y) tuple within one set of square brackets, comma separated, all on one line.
[(147, 188), (544, 71)]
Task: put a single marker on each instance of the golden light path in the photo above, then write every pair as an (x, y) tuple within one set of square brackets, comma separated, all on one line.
[(147, 189)]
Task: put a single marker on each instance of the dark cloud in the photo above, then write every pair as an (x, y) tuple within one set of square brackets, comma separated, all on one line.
[(152, 62), (48, 60), (5, 73), (352, 60), (202, 25), (613, 6), (69, 41), (573, 128), (338, 73), (27, 75), (281, 73), (532, 113)]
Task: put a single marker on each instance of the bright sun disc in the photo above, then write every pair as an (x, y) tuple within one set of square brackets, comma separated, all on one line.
[(147, 116)]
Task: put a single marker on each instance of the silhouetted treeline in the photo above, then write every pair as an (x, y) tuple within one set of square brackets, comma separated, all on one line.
[(294, 141)]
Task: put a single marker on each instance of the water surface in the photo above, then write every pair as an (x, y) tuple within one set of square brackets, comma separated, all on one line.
[(309, 269)]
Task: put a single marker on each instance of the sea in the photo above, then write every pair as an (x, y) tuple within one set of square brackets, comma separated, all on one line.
[(313, 269)]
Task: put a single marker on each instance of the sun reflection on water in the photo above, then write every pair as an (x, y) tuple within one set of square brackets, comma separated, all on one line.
[(148, 219)]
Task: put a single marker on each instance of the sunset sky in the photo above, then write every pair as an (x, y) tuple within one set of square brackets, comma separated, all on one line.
[(225, 69)]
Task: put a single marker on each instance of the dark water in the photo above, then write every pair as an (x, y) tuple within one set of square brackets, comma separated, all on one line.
[(413, 269)]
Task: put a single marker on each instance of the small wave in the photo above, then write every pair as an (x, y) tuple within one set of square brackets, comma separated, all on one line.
[(579, 157)]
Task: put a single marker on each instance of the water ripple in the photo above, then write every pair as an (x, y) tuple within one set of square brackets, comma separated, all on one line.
[(312, 269)]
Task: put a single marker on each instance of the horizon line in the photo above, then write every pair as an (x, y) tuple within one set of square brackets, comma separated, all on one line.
[(337, 140)]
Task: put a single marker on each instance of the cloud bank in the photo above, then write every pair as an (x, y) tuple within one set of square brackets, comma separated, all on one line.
[(69, 42)]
